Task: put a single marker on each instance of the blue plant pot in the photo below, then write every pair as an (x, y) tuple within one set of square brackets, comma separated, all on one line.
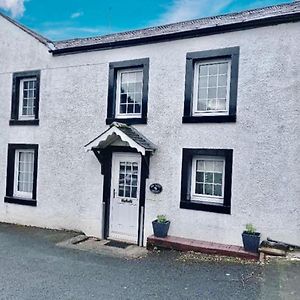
[(160, 229), (251, 241)]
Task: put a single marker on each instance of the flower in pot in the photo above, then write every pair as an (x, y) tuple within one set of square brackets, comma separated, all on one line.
[(161, 226), (251, 238)]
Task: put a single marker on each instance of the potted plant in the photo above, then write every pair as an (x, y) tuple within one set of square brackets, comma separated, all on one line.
[(251, 238), (161, 226)]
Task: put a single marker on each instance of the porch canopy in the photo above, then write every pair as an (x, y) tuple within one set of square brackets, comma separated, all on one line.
[(119, 134)]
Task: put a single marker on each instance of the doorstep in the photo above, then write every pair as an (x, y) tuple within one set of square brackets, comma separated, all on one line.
[(183, 244), (104, 247)]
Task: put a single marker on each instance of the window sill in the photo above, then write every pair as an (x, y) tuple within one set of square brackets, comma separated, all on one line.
[(211, 207), (21, 201), (128, 121), (209, 119), (24, 122)]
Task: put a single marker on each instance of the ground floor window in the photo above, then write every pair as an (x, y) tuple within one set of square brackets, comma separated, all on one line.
[(206, 180), (21, 174)]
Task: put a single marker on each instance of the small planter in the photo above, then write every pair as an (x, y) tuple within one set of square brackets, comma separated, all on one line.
[(160, 229), (251, 241)]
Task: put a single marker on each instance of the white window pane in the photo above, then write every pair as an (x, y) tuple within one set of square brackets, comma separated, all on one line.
[(222, 80), (209, 165), (200, 165), (213, 69), (201, 105), (211, 104), (223, 68), (212, 81), (125, 77), (131, 87), (218, 166), (138, 87), (139, 76), (25, 171), (138, 97), (203, 70), (130, 92), (203, 82), (28, 97), (128, 179), (208, 178), (212, 93), (222, 92), (221, 104), (202, 93), (124, 87)]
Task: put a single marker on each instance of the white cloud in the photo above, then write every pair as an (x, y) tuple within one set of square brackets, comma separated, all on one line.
[(68, 29), (15, 7), (181, 10), (68, 32), (76, 15)]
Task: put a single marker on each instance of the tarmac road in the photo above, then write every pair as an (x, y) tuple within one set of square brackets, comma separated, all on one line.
[(33, 267)]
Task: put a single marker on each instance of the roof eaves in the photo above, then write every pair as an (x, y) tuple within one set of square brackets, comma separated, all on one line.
[(35, 35), (134, 39)]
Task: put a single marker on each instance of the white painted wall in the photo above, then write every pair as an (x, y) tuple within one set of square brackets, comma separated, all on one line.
[(265, 138)]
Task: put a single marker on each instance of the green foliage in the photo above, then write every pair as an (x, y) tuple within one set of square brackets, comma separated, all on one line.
[(161, 219), (250, 228)]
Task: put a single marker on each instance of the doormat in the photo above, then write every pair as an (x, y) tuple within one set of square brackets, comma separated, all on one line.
[(117, 244)]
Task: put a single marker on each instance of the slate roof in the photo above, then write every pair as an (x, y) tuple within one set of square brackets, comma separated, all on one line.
[(289, 12), (132, 133), (241, 20), (135, 135)]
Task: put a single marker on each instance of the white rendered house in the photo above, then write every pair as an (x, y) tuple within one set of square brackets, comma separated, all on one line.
[(198, 120)]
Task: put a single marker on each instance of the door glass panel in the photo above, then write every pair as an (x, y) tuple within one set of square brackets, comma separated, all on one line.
[(128, 179)]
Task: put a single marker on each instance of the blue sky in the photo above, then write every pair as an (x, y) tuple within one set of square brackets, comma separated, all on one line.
[(63, 19)]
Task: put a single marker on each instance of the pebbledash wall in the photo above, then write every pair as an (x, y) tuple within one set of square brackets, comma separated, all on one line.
[(73, 103)]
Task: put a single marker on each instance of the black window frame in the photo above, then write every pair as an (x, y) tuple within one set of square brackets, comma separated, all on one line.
[(11, 155), (17, 77), (186, 202), (193, 57), (114, 67)]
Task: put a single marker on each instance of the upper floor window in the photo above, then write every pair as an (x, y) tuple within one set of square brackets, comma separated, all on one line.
[(25, 98), (128, 91), (211, 86), (21, 178)]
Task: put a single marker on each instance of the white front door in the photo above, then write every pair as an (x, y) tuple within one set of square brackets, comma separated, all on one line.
[(125, 191)]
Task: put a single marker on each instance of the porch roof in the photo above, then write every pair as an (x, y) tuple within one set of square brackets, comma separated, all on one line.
[(125, 133)]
